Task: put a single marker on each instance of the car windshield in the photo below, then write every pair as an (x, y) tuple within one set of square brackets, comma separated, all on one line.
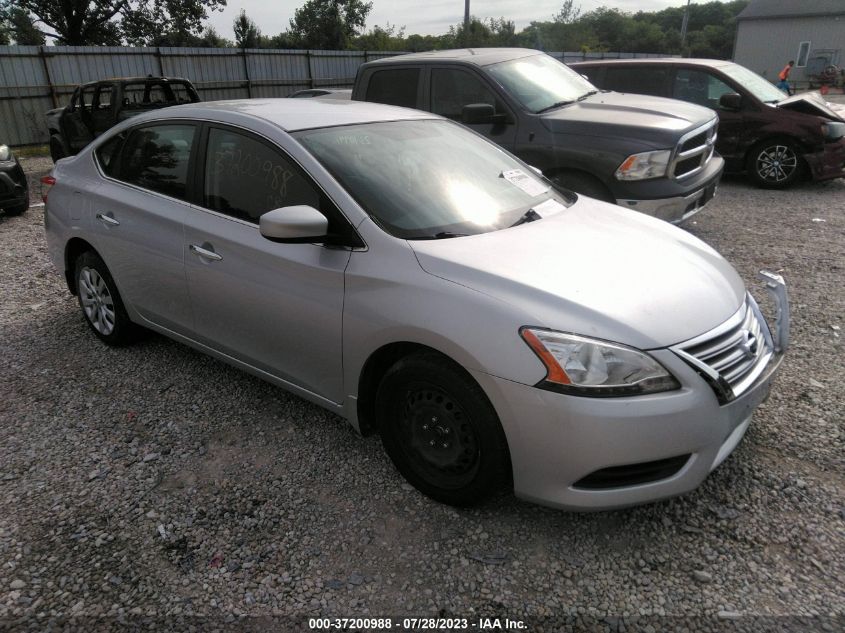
[(431, 179), (753, 83), (540, 82)]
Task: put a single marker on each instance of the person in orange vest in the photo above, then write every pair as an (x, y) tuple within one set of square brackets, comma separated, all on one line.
[(783, 84)]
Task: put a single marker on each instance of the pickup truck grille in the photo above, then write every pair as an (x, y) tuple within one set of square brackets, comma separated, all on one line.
[(733, 355), (694, 151)]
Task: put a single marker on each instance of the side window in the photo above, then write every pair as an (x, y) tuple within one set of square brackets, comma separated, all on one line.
[(397, 87), (157, 158), (103, 98), (699, 87), (637, 80), (452, 89), (86, 98), (108, 154), (803, 54), (245, 178)]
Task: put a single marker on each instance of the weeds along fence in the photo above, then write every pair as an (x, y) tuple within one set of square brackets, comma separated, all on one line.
[(34, 79)]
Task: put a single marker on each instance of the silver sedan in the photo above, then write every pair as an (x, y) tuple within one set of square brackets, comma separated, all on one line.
[(407, 274)]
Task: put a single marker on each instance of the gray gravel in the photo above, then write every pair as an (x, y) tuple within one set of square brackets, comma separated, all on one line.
[(155, 482)]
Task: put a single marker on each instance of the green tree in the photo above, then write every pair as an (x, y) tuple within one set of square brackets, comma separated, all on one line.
[(20, 28), (247, 33), (328, 24), (382, 38), (568, 13), (109, 22)]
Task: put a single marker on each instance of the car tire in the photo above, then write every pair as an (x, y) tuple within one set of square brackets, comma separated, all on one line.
[(18, 210), (57, 148), (775, 164), (100, 302), (583, 183), (440, 430)]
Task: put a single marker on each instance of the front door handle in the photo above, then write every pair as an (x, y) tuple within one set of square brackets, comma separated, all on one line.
[(204, 252), (107, 219)]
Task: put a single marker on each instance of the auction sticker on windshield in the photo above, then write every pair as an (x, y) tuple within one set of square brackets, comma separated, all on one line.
[(520, 179)]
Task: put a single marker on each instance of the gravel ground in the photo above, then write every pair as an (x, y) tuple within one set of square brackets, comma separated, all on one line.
[(156, 486)]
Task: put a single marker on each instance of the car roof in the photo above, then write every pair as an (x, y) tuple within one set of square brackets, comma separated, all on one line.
[(713, 63), (476, 56), (290, 114), (126, 80)]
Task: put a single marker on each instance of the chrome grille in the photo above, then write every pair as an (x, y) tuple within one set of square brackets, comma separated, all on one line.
[(694, 151), (734, 354)]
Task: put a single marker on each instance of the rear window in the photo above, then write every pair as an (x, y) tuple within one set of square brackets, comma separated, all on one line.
[(397, 87)]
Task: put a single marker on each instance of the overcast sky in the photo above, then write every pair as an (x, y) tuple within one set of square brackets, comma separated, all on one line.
[(426, 17)]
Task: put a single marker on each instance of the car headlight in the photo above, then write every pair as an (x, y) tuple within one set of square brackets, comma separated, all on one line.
[(590, 367), (5, 153), (833, 130), (645, 165)]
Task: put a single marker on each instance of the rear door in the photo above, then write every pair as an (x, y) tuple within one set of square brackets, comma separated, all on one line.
[(138, 218), (102, 108), (77, 123), (645, 80), (277, 307)]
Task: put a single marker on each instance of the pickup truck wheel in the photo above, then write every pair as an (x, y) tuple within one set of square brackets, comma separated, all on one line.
[(584, 184), (101, 303), (57, 149), (774, 164), (440, 431)]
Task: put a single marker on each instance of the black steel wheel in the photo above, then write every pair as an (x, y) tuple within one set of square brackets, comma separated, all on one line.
[(440, 430), (100, 301), (775, 164)]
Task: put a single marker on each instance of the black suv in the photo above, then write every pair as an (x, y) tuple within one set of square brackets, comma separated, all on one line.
[(97, 106), (773, 138), (14, 194)]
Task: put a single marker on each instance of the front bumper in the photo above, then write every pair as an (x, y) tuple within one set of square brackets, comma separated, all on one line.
[(828, 163), (691, 200), (13, 189), (558, 441)]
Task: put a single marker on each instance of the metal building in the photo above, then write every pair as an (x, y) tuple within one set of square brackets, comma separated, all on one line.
[(770, 33)]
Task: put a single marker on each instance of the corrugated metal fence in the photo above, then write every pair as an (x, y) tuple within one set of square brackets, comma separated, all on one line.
[(34, 79)]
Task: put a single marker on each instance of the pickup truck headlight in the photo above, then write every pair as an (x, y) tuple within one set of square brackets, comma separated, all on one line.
[(833, 130), (645, 165), (590, 367), (5, 153)]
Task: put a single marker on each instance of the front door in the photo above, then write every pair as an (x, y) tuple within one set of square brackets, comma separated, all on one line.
[(277, 307), (704, 88), (453, 88), (76, 122)]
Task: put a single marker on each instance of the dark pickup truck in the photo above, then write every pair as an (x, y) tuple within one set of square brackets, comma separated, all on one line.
[(97, 106), (644, 153)]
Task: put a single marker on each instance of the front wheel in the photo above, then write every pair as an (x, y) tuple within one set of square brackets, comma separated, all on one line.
[(440, 431), (774, 164), (19, 209), (101, 303)]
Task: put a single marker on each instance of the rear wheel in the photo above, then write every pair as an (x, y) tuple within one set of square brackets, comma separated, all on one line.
[(101, 303), (774, 164), (57, 148), (440, 430)]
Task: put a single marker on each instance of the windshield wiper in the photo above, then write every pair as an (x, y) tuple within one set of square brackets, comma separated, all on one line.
[(553, 106), (443, 235), (529, 216), (587, 94)]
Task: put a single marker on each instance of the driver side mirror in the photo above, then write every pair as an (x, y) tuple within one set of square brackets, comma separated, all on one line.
[(730, 101), (475, 113), (298, 224)]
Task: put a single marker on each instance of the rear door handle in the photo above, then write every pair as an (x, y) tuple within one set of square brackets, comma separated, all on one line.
[(204, 252), (107, 219)]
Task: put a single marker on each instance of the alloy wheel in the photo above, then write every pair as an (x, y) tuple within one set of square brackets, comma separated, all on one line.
[(776, 164), (96, 299)]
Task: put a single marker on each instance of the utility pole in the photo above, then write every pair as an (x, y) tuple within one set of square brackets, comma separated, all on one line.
[(683, 25), (466, 22)]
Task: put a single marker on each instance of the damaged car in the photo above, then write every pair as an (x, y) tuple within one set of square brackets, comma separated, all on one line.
[(14, 193), (776, 140)]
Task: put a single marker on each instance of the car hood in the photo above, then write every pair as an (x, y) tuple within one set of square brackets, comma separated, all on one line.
[(596, 270), (813, 103), (656, 121)]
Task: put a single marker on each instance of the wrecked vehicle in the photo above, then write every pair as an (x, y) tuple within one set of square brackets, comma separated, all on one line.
[(97, 106), (775, 139), (14, 193)]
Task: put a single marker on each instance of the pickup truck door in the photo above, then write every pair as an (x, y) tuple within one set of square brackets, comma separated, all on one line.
[(76, 121), (102, 109), (451, 88)]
